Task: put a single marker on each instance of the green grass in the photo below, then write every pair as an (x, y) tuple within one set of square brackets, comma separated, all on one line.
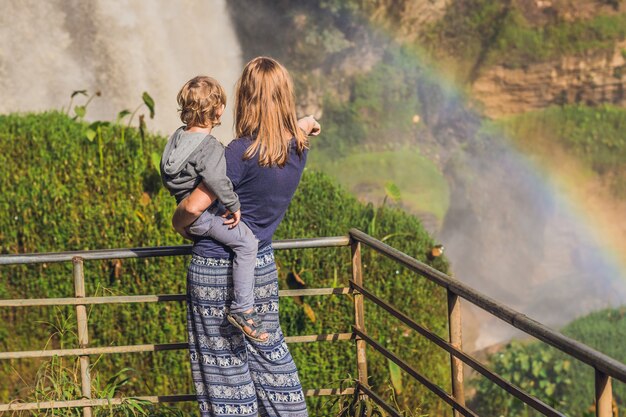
[(422, 186)]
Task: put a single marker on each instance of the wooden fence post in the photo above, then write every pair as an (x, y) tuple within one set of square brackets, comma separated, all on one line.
[(456, 365), (604, 395), (359, 313), (83, 333)]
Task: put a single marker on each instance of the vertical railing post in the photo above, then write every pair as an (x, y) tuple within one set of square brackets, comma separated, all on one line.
[(83, 334), (359, 312), (604, 395), (456, 365)]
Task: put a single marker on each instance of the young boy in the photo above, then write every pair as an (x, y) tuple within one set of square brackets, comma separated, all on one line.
[(192, 155)]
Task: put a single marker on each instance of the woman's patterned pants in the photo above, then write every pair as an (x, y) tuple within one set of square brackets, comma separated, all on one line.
[(233, 375)]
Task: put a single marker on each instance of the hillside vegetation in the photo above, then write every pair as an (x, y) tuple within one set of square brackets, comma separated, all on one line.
[(62, 191), (593, 135), (552, 376), (480, 33)]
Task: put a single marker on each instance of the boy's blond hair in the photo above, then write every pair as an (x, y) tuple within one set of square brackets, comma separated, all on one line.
[(200, 101), (265, 109)]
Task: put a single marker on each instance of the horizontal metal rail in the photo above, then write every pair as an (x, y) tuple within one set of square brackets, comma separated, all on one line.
[(432, 387), (578, 350), (159, 347), (472, 362), (154, 252), (80, 301), (105, 402), (125, 299)]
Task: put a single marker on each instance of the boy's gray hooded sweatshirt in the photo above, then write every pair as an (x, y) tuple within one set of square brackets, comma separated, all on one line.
[(192, 157)]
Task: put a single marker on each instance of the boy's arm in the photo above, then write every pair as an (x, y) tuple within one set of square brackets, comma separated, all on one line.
[(211, 166), (191, 208)]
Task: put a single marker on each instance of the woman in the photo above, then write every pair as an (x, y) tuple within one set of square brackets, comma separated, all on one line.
[(233, 375)]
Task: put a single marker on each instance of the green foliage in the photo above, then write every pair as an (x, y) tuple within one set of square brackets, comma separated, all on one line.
[(396, 377), (65, 192), (485, 32), (551, 375), (149, 102), (81, 110), (358, 406), (316, 211), (468, 29), (605, 331), (539, 371), (593, 134), (58, 379), (520, 44), (380, 107)]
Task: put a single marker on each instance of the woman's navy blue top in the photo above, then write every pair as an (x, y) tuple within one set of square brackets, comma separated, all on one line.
[(264, 194)]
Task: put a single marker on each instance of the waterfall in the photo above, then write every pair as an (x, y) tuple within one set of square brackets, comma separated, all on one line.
[(119, 47)]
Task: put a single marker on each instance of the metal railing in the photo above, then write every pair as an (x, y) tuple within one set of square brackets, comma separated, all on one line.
[(605, 367)]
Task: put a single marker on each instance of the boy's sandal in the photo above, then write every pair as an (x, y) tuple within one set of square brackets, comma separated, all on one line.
[(251, 322)]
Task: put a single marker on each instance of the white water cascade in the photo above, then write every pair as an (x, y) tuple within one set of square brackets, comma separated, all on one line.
[(119, 47)]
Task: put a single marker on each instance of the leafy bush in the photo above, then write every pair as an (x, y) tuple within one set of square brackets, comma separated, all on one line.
[(552, 376), (64, 192), (541, 372)]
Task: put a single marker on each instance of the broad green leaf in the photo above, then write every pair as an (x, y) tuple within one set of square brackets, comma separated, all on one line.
[(156, 161), (90, 134), (148, 102), (396, 377), (393, 192), (80, 111)]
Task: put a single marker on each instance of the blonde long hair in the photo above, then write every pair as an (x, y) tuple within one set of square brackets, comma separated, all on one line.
[(265, 110)]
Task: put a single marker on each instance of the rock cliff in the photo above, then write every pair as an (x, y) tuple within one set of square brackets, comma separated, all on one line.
[(592, 78)]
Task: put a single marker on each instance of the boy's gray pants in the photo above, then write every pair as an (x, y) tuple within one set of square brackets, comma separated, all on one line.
[(245, 245)]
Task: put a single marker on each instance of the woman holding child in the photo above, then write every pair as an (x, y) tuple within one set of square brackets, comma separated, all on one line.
[(233, 374)]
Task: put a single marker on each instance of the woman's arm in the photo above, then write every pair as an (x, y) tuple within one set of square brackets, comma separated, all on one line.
[(191, 208)]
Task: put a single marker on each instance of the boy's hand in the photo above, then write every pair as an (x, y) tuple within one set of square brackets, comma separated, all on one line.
[(232, 219)]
